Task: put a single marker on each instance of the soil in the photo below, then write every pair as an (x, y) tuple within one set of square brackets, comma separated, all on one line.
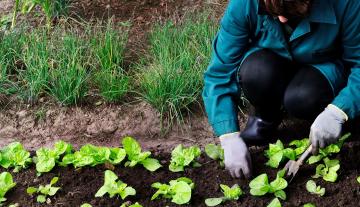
[(79, 186)]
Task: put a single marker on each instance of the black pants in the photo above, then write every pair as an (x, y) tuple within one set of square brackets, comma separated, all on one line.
[(271, 83)]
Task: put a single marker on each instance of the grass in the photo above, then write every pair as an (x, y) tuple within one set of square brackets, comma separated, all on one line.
[(110, 77), (10, 53), (172, 78), (35, 75), (69, 75), (67, 62)]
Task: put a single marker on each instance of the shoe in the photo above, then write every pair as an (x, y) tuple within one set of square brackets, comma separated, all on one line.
[(259, 131)]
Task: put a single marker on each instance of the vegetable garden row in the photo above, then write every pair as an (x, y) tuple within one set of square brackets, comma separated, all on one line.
[(178, 190)]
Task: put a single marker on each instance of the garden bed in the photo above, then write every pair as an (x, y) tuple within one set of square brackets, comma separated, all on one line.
[(79, 186)]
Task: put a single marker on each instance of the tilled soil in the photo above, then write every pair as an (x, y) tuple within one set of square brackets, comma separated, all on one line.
[(79, 186)]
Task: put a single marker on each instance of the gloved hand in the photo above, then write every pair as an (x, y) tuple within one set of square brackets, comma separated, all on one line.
[(327, 127), (237, 156)]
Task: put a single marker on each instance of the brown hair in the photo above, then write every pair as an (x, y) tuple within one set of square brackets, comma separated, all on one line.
[(288, 8)]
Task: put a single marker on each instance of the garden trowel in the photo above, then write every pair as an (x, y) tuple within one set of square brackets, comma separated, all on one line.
[(292, 167)]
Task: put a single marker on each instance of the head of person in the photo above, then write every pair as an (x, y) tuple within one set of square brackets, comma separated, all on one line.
[(288, 9)]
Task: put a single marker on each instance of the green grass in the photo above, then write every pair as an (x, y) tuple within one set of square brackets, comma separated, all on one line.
[(110, 77), (36, 59), (172, 77), (67, 78), (10, 54)]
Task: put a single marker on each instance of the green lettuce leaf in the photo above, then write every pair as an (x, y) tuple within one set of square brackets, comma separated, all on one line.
[(215, 152), (274, 203), (278, 154), (113, 187), (312, 188), (15, 156), (136, 156), (46, 159), (182, 157), (6, 184), (179, 190)]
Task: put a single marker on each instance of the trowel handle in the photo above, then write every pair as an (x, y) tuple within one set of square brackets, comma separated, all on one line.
[(305, 155)]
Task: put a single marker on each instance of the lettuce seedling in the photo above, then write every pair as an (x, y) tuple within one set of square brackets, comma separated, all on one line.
[(328, 170), (300, 146), (90, 155), (232, 193), (182, 157), (274, 203), (46, 159), (309, 205), (15, 156), (135, 156), (260, 185), (179, 190), (86, 205), (215, 152), (312, 188), (277, 154), (113, 187), (44, 191), (329, 150), (358, 179), (6, 183), (131, 205)]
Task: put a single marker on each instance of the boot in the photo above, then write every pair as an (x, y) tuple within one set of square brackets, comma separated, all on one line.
[(258, 131)]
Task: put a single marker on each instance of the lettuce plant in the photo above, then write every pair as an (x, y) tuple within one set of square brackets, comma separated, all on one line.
[(274, 203), (46, 159), (15, 156), (6, 183), (182, 157), (86, 205), (131, 205), (179, 190), (135, 156), (113, 187), (260, 185), (44, 191), (358, 179), (277, 154), (328, 170), (300, 146), (232, 193), (90, 155), (312, 188), (215, 152), (309, 205), (329, 150)]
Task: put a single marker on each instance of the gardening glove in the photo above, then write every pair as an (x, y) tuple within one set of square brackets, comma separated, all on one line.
[(236, 155), (327, 127)]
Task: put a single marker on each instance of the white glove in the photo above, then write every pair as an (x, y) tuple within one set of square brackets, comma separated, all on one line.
[(237, 156), (327, 127)]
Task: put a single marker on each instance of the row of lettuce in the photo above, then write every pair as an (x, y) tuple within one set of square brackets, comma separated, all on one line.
[(15, 157)]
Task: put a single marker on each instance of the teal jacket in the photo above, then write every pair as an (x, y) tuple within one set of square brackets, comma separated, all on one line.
[(328, 39)]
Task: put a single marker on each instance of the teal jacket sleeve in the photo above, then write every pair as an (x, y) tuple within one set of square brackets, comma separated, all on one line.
[(221, 89), (349, 98)]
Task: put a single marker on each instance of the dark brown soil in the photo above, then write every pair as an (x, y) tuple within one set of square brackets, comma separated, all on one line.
[(80, 186)]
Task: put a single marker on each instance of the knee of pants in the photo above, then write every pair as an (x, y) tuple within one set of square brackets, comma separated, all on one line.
[(302, 104), (263, 74)]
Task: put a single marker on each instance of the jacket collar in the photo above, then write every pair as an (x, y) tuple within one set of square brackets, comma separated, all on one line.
[(322, 11)]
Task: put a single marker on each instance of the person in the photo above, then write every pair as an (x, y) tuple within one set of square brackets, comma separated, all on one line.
[(297, 56)]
